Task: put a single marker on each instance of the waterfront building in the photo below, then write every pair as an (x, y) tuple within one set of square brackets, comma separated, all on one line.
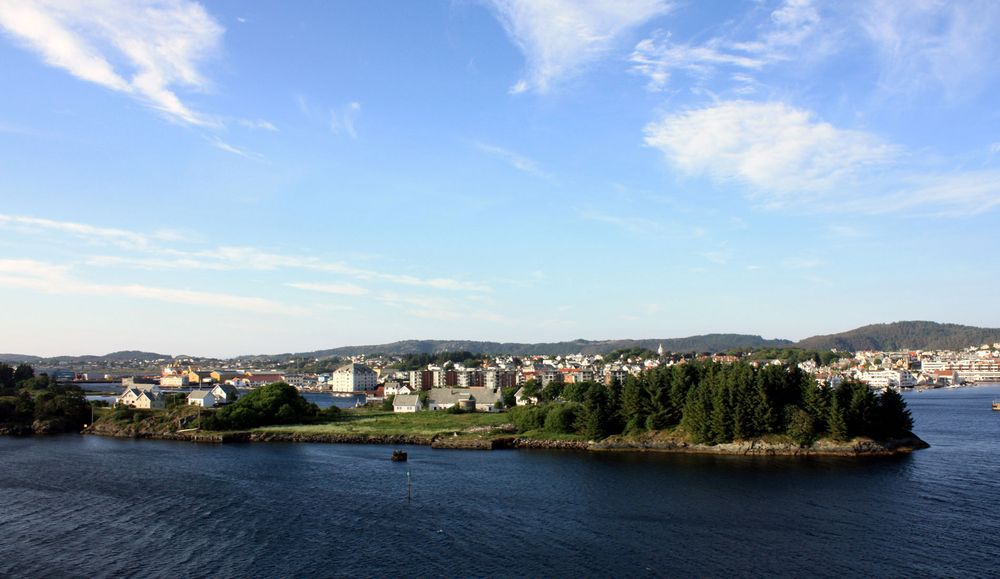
[(353, 377), (175, 381), (297, 380), (886, 379), (258, 380)]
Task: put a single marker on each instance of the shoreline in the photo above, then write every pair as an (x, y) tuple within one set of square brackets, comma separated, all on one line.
[(857, 447)]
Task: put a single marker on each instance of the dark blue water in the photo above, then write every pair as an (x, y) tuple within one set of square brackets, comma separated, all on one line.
[(82, 506)]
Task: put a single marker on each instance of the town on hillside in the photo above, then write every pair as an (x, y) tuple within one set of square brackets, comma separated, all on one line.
[(477, 383)]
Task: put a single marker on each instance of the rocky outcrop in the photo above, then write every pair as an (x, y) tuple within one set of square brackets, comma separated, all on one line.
[(337, 438), (16, 430), (824, 447)]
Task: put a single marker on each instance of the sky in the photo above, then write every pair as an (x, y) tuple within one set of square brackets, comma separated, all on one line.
[(238, 177)]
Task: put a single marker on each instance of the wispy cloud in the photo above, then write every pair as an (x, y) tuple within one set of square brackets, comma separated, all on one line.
[(55, 279), (561, 37), (515, 160), (120, 237), (631, 224), (252, 258), (342, 119), (258, 124), (146, 49), (949, 46), (789, 26), (345, 289), (656, 58), (224, 146), (847, 231), (801, 262), (153, 254), (718, 256), (436, 308)]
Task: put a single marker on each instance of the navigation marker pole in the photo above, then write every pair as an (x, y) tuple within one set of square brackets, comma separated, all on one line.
[(409, 487)]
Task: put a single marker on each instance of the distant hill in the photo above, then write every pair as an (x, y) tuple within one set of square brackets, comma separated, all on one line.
[(905, 336), (705, 343), (894, 336), (13, 358)]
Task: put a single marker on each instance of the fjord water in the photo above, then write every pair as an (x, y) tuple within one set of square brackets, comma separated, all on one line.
[(84, 506)]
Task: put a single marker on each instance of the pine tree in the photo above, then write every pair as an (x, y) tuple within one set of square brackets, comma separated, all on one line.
[(595, 415), (697, 413), (836, 421), (635, 403), (23, 372), (894, 418), (862, 410)]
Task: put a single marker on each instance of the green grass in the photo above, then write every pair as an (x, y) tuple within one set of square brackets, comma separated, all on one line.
[(378, 422), (546, 435)]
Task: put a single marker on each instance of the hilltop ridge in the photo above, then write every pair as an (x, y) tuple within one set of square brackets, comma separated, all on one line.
[(905, 335)]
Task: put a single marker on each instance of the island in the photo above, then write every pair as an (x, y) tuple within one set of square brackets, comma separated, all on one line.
[(699, 407)]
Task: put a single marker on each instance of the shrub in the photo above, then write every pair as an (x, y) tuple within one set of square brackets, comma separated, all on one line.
[(527, 418), (561, 418)]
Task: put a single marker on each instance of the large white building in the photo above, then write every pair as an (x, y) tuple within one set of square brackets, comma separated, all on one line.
[(353, 378), (885, 379)]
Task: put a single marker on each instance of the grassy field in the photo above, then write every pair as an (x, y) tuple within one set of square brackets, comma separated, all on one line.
[(376, 422)]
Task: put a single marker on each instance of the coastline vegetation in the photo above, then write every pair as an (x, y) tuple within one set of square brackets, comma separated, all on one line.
[(38, 404), (714, 403)]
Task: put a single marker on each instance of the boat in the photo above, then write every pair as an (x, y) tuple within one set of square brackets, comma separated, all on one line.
[(996, 405), (398, 456)]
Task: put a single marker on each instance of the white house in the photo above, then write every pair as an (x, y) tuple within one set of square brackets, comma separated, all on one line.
[(148, 399), (225, 393), (353, 378), (397, 388), (406, 403), (127, 398), (203, 398)]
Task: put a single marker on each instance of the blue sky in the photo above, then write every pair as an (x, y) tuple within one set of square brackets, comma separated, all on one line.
[(256, 177)]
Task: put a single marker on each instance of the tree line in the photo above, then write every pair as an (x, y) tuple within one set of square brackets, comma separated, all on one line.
[(37, 403), (715, 403)]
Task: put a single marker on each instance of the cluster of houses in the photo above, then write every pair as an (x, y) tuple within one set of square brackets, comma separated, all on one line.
[(927, 369), (150, 396)]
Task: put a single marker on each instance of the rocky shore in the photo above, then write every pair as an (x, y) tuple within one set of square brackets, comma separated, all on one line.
[(653, 442), (825, 447)]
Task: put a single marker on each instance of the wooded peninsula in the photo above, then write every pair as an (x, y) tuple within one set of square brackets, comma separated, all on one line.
[(702, 406)]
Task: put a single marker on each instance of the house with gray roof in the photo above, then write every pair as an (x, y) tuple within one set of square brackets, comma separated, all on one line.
[(225, 393), (203, 398), (406, 403)]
